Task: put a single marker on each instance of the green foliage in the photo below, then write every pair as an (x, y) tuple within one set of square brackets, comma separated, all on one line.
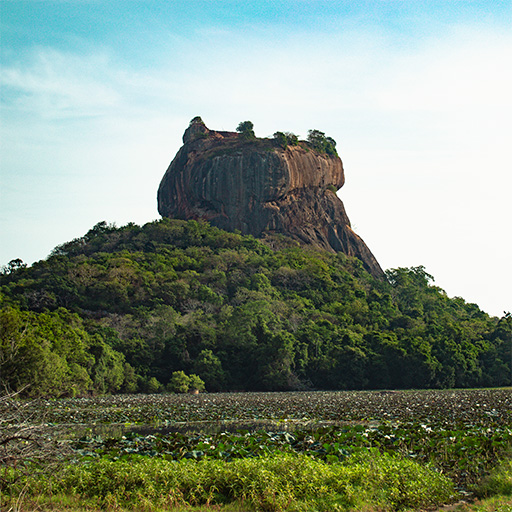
[(389, 451), (463, 433), (182, 383), (195, 383), (495, 504), (280, 138), (179, 382), (153, 386), (111, 310), (48, 354), (277, 483), (319, 142), (286, 138), (13, 266), (499, 482), (386, 451), (51, 354), (246, 130), (209, 368)]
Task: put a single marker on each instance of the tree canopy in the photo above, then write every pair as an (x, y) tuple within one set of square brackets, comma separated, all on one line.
[(124, 309), (321, 143), (246, 130)]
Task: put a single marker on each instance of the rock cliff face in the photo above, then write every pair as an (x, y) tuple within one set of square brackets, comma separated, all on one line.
[(257, 187)]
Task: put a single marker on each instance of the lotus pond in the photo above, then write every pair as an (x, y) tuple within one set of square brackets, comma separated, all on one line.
[(462, 434)]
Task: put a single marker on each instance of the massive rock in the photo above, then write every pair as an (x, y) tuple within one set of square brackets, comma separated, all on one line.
[(258, 187)]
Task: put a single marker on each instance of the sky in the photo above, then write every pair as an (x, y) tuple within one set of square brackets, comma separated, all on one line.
[(95, 97)]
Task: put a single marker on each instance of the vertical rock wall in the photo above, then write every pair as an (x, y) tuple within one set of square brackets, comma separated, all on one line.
[(259, 188)]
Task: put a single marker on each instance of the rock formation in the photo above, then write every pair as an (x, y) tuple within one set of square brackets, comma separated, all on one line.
[(258, 187)]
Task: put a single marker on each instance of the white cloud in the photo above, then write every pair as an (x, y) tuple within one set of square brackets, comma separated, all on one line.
[(54, 85), (424, 134)]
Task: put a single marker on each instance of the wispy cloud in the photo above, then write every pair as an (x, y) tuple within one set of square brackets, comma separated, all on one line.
[(417, 125), (464, 69), (53, 84)]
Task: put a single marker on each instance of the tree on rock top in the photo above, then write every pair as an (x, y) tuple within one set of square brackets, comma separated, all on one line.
[(321, 143), (196, 120), (246, 130)]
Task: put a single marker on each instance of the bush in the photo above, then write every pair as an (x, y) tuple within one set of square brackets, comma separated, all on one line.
[(499, 482), (280, 138), (182, 383), (319, 142), (153, 386), (286, 138), (179, 382), (246, 130), (282, 482), (196, 383)]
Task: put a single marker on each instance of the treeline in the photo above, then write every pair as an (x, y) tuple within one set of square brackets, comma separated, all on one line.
[(122, 309)]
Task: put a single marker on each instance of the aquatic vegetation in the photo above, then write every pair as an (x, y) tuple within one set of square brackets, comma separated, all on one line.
[(458, 438)]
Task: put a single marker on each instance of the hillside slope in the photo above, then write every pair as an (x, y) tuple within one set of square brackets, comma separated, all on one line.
[(120, 309)]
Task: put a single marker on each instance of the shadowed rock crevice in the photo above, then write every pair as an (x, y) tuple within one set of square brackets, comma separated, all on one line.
[(260, 188)]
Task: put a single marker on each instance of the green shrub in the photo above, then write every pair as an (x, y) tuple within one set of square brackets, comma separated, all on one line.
[(182, 383), (179, 382), (285, 138), (321, 143), (153, 386), (197, 120), (499, 482), (195, 383), (246, 130), (280, 138), (277, 483)]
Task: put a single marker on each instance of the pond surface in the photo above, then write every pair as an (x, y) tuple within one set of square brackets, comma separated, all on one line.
[(203, 427)]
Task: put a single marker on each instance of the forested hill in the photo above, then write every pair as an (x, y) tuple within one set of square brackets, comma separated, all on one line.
[(121, 309)]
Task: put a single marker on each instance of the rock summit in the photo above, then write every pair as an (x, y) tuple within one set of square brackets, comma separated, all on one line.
[(261, 187)]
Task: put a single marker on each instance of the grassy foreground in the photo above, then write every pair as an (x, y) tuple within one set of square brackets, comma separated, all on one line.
[(285, 482), (366, 481)]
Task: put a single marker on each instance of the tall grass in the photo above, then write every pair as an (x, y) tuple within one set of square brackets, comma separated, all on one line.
[(499, 482), (283, 482)]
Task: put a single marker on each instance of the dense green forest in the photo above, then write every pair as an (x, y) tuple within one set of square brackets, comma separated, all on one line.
[(121, 309)]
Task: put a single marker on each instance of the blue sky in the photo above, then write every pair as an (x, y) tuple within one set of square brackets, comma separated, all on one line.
[(95, 96)]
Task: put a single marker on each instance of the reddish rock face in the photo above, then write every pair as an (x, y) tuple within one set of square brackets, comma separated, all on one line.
[(258, 188)]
